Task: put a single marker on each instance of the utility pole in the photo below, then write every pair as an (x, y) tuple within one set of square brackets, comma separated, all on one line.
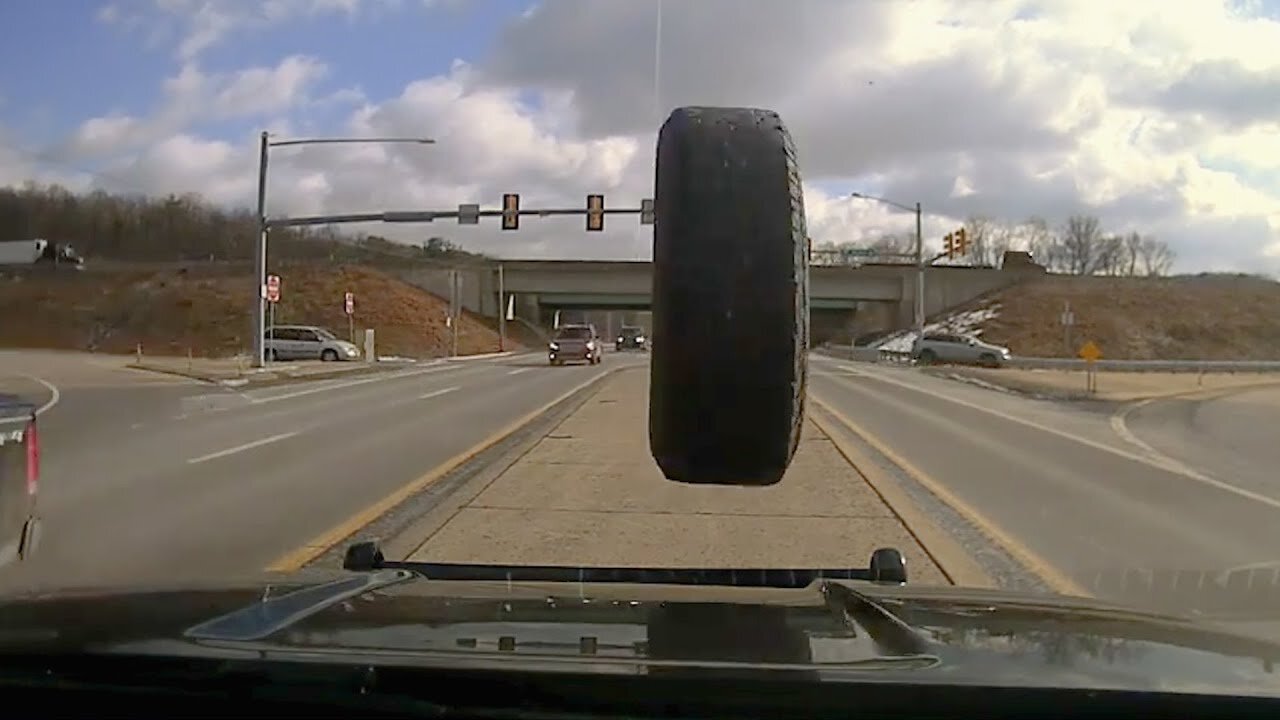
[(920, 261), (260, 252), (920, 270), (502, 312), (260, 258)]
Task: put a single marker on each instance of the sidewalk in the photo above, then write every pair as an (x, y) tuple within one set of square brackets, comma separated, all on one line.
[(589, 493)]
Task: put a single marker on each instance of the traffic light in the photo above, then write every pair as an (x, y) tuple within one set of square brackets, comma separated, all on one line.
[(949, 244), (595, 213), (962, 242), (511, 211)]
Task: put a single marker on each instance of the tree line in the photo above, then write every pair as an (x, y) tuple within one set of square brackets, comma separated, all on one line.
[(186, 228), (1080, 246)]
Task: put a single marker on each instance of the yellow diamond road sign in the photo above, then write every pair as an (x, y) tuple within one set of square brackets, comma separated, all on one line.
[(1090, 351)]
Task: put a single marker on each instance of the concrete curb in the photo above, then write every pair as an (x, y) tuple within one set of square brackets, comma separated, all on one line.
[(275, 377), (950, 557), (483, 356)]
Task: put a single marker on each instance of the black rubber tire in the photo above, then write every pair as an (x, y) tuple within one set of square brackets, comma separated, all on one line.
[(989, 361), (730, 280), (928, 357), (888, 566), (329, 356)]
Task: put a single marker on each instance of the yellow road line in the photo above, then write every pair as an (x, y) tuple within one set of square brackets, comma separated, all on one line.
[(298, 557), (1053, 577)]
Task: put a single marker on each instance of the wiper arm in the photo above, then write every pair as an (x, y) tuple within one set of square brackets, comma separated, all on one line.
[(886, 565), (885, 629)]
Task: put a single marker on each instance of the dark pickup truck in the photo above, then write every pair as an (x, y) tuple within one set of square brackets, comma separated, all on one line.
[(19, 479)]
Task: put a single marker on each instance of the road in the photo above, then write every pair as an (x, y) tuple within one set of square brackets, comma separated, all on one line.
[(150, 478), (1072, 495), (147, 479)]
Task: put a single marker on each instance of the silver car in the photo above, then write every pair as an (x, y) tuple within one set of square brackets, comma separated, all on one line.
[(307, 342), (958, 349)]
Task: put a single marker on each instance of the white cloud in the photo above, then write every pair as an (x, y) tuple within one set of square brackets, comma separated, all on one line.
[(1154, 116), (202, 24)]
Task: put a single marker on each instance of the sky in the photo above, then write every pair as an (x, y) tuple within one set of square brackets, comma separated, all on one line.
[(1156, 117)]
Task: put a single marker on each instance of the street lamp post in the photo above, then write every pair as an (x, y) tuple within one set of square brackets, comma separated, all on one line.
[(920, 264), (260, 252)]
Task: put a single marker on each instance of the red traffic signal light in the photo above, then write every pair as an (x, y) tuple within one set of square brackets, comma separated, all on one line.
[(510, 211), (595, 213)]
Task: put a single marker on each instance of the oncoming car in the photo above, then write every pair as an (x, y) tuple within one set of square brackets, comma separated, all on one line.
[(574, 343), (631, 337)]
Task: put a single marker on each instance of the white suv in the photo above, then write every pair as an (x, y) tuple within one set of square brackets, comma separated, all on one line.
[(959, 349)]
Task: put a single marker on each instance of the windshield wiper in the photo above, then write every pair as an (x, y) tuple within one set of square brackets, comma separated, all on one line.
[(887, 565)]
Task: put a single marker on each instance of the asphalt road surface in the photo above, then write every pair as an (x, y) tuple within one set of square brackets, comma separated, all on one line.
[(148, 479), (1082, 498), (151, 478)]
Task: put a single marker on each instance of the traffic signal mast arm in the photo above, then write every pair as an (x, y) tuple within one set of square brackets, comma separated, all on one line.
[(469, 214)]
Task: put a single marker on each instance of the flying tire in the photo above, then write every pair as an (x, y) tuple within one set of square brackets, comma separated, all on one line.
[(730, 298)]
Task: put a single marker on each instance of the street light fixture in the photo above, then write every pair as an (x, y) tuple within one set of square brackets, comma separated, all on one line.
[(919, 303), (260, 254)]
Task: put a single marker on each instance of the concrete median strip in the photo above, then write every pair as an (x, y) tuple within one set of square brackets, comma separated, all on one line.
[(299, 557), (588, 493)]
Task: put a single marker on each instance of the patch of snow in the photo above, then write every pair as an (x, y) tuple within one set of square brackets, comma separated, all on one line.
[(395, 358), (968, 322)]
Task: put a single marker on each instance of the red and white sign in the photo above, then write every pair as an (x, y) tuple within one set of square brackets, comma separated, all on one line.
[(349, 303), (273, 288)]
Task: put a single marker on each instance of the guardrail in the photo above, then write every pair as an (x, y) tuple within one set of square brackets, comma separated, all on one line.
[(877, 355)]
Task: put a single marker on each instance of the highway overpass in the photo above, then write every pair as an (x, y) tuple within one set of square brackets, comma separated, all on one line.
[(880, 296)]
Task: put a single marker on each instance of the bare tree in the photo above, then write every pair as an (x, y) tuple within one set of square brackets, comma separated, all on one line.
[(980, 229), (1044, 247), (1156, 257), (1110, 258), (1081, 244), (1132, 250), (893, 243)]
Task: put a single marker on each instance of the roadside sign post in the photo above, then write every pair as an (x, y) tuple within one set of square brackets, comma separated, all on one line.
[(349, 307), (272, 293), (1091, 352), (1068, 319)]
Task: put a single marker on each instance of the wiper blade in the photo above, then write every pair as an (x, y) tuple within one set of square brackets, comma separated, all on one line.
[(886, 565)]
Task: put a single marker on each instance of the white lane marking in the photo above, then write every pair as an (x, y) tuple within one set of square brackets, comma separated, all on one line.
[(55, 395), (517, 371), (242, 448), (353, 383), (1172, 467), (437, 393)]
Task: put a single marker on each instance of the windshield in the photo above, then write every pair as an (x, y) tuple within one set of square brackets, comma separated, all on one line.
[(574, 333), (993, 284)]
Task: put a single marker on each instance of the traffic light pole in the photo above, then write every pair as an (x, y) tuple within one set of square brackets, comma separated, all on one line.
[(920, 270), (260, 258)]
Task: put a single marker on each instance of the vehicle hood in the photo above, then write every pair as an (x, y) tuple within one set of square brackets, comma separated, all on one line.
[(394, 616)]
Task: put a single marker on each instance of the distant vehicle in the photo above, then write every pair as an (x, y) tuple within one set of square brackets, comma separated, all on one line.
[(39, 252), (575, 343), (959, 349), (19, 476), (631, 337), (306, 342)]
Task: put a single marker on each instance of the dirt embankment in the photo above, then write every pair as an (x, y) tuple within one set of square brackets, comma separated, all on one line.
[(205, 311), (1210, 317)]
